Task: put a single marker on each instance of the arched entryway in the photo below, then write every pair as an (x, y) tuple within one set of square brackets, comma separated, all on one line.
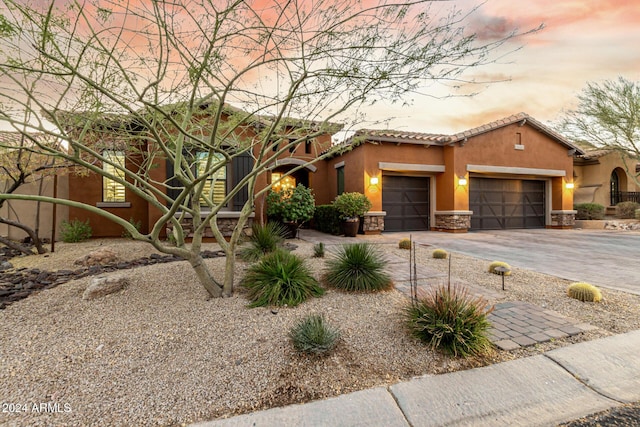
[(617, 184), (283, 177)]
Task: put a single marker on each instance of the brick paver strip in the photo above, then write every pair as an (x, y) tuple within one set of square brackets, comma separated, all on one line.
[(520, 324)]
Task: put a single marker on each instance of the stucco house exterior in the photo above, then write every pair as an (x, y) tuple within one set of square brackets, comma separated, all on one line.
[(511, 173), (604, 176)]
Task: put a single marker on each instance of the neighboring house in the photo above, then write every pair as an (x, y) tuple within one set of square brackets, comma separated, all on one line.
[(605, 177)]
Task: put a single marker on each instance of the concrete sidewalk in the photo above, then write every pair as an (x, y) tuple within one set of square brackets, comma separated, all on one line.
[(558, 386)]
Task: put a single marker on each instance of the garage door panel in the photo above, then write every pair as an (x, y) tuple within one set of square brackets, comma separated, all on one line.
[(405, 199), (506, 203)]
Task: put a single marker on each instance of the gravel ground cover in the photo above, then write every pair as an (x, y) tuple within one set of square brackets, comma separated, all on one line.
[(161, 353)]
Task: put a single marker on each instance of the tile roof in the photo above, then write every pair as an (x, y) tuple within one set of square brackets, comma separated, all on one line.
[(401, 136), (439, 139)]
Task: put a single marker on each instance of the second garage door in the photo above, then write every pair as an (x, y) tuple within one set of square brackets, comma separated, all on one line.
[(506, 203), (405, 199)]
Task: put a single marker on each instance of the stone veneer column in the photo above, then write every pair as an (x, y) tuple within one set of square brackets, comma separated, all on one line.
[(226, 223), (373, 222), (563, 219), (453, 221)]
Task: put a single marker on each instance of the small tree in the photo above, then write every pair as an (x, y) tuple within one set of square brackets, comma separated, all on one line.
[(156, 80), (608, 116)]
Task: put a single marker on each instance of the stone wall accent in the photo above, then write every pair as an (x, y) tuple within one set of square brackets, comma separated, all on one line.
[(226, 223), (563, 219), (373, 222), (453, 221)]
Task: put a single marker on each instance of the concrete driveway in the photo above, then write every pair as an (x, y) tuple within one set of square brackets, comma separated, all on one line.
[(606, 258)]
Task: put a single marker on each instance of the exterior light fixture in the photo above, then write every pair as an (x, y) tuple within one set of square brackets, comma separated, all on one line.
[(462, 181), (373, 180), (569, 185)]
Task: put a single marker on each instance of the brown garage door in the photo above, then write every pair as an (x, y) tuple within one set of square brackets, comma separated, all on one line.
[(506, 203), (405, 199)]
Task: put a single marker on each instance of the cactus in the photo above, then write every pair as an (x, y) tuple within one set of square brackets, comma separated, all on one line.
[(584, 292), (494, 264), (404, 243), (440, 254)]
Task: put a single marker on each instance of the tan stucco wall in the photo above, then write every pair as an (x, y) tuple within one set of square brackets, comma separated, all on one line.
[(26, 211), (592, 180)]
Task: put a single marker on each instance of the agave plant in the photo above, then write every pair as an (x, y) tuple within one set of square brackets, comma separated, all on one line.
[(280, 278), (358, 267)]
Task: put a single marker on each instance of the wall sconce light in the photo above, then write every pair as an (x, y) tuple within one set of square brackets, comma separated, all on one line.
[(373, 180), (462, 180), (569, 185)]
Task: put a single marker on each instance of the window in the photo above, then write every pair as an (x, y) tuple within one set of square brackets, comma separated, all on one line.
[(226, 177), (215, 187), (340, 172), (113, 191)]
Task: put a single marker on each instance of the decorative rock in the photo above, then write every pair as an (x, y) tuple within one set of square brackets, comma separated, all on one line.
[(103, 285), (5, 265), (98, 257)]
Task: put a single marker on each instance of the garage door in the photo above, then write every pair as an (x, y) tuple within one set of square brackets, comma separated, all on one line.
[(405, 199), (506, 203)]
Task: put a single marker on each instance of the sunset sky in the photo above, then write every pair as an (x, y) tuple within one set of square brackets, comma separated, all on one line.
[(582, 41)]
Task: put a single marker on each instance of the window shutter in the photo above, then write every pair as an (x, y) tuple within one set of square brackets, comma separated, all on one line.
[(241, 167)]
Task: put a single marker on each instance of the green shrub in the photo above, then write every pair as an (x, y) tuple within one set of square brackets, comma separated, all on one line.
[(280, 278), (327, 219), (589, 211), (352, 205), (440, 254), (404, 243), (318, 250), (627, 210), (75, 231), (637, 213), (291, 205), (358, 267), (584, 292), (494, 264), (450, 320), (264, 239), (137, 224), (313, 335)]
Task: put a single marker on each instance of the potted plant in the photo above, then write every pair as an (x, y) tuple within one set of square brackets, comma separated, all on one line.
[(351, 207), (291, 206)]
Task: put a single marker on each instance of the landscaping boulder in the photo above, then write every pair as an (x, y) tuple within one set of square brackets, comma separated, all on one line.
[(5, 265), (104, 285), (98, 257)]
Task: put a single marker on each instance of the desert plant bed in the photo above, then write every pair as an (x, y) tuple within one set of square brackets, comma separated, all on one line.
[(160, 352)]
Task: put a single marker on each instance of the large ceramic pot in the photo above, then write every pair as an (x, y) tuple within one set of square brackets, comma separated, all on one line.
[(292, 229), (350, 227)]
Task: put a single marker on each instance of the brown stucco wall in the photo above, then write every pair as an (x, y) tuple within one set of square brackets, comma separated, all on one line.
[(497, 148), (88, 189)]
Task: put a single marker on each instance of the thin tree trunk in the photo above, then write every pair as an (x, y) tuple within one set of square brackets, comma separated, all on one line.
[(204, 276), (14, 245), (32, 234), (229, 268)]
